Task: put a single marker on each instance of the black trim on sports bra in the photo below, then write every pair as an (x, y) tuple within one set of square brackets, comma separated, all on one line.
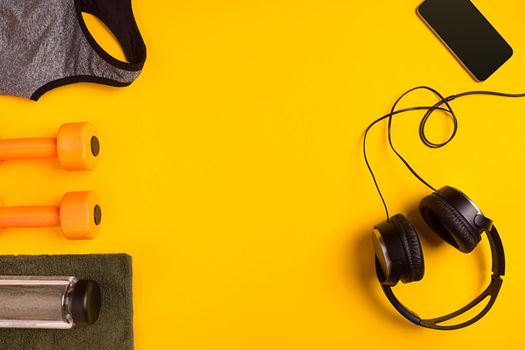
[(75, 79), (117, 15)]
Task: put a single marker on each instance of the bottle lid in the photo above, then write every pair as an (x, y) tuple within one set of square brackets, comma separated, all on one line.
[(85, 302)]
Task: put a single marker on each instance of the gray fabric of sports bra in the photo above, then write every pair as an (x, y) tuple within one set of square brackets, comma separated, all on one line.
[(45, 44)]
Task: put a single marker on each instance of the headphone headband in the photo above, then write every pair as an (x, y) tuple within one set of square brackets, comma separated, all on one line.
[(498, 270)]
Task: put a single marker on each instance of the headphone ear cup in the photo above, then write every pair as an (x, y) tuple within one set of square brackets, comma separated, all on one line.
[(448, 223), (412, 247)]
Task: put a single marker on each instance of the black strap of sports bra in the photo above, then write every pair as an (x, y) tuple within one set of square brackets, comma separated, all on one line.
[(117, 15), (498, 270)]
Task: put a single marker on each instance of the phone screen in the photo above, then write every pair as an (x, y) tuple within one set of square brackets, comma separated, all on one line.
[(468, 34)]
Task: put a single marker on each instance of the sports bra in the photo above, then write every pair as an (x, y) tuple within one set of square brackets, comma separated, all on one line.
[(45, 44)]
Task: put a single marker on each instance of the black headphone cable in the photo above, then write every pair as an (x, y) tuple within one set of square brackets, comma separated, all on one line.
[(443, 105)]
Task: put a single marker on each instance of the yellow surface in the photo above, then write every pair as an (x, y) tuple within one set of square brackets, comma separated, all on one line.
[(231, 171)]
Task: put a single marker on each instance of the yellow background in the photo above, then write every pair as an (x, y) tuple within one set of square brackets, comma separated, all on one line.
[(232, 172)]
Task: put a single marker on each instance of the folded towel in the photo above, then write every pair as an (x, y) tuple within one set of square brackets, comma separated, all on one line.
[(114, 328)]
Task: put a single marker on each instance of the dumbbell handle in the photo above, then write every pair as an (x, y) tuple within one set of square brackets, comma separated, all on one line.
[(28, 148), (34, 216)]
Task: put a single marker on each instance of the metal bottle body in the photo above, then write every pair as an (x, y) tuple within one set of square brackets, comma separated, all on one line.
[(38, 302)]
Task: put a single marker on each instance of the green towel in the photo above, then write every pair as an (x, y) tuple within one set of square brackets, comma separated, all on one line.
[(114, 328)]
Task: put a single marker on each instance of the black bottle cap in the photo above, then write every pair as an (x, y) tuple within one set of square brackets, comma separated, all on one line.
[(85, 302)]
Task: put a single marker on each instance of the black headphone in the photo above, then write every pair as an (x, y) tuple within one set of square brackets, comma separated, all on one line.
[(451, 214), (458, 221)]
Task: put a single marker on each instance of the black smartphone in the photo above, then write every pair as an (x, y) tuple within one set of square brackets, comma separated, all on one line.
[(468, 34)]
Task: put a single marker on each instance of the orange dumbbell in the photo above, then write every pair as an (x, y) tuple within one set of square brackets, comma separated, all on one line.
[(78, 215), (76, 146)]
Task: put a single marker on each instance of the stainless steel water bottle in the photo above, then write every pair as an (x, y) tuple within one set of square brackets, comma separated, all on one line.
[(48, 302)]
